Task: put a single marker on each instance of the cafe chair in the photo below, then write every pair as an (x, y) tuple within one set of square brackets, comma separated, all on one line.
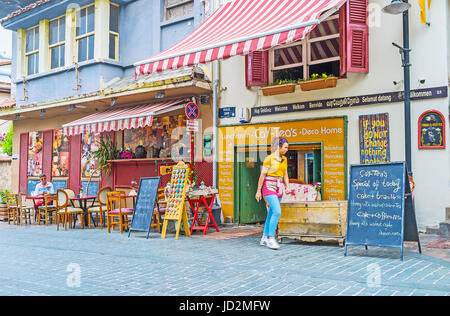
[(70, 193), (24, 212), (48, 210), (65, 211), (102, 207), (11, 204), (120, 213)]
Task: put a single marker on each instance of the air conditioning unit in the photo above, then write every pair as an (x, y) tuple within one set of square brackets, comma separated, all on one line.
[(244, 115)]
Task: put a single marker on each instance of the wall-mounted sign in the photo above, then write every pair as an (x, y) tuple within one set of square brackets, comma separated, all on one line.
[(228, 112), (374, 138), (431, 130)]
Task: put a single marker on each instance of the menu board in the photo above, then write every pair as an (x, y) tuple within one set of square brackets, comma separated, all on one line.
[(145, 205), (376, 206)]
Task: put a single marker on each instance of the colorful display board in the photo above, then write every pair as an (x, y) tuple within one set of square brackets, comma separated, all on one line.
[(176, 210), (374, 138), (35, 153)]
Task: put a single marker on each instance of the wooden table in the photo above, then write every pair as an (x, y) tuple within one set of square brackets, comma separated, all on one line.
[(82, 201), (195, 200)]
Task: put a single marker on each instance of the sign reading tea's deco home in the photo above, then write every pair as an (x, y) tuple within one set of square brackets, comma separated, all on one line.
[(431, 130), (374, 138)]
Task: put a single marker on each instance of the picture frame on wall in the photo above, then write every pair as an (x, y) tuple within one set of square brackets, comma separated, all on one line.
[(431, 129)]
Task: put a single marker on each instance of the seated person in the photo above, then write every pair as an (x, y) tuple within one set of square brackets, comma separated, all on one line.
[(42, 188)]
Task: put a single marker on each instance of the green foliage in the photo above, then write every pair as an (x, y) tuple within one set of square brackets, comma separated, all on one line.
[(107, 151), (6, 141), (3, 194)]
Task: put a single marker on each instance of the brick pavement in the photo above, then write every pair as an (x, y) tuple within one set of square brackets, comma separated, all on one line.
[(41, 261)]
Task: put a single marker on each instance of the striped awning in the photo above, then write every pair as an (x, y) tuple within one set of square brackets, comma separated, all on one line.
[(123, 118), (240, 27)]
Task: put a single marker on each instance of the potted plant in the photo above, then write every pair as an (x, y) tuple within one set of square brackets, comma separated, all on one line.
[(316, 82), (318, 187), (3, 205), (280, 87), (106, 152)]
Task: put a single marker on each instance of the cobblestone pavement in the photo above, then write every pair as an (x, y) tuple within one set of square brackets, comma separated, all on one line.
[(42, 261)]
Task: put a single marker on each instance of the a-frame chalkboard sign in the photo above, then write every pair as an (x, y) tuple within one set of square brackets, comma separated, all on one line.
[(380, 207), (145, 205)]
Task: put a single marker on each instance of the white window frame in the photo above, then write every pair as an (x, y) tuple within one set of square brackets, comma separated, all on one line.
[(116, 35), (306, 53), (59, 43), (86, 35), (33, 52)]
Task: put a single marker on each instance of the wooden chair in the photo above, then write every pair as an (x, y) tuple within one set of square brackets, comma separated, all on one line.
[(24, 212), (64, 210), (11, 204), (48, 209), (102, 207), (156, 220), (121, 212)]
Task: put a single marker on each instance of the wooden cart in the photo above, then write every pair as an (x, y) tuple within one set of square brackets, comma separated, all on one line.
[(313, 221)]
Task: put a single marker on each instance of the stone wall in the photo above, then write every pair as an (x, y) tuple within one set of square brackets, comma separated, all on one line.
[(5, 173)]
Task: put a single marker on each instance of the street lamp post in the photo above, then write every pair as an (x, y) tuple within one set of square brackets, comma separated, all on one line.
[(397, 7)]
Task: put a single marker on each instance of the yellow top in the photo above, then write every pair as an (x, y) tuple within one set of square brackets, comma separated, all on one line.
[(275, 167)]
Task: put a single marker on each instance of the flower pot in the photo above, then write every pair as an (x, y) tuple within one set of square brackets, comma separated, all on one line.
[(279, 89), (318, 84), (3, 212)]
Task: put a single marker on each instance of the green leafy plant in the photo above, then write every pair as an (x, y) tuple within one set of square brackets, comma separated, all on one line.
[(106, 152), (317, 76), (3, 195), (6, 141), (285, 81)]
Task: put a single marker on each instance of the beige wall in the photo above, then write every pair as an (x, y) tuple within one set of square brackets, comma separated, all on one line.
[(429, 58), (5, 174)]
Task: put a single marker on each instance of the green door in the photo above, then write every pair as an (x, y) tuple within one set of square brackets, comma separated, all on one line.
[(249, 170)]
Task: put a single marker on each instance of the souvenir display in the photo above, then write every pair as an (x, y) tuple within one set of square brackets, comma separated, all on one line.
[(176, 193), (60, 157)]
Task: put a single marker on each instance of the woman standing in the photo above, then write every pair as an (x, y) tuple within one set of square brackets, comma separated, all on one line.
[(273, 174)]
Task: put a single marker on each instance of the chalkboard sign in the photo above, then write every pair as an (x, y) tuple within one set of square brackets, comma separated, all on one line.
[(93, 187), (376, 208), (145, 205), (59, 184)]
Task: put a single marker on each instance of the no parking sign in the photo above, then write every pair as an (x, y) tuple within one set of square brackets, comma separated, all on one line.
[(192, 111)]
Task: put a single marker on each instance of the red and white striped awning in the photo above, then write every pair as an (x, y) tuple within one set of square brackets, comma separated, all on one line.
[(241, 27), (120, 119)]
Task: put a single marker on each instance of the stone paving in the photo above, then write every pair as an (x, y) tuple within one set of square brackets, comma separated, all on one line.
[(42, 261)]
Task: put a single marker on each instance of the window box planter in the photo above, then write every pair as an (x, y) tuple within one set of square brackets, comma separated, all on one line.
[(318, 84), (279, 89)]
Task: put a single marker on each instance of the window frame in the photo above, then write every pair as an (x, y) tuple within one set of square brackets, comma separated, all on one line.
[(179, 4), (33, 51), (57, 44), (115, 34), (86, 35), (307, 61)]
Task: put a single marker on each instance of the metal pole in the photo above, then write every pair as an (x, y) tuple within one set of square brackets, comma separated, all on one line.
[(407, 81)]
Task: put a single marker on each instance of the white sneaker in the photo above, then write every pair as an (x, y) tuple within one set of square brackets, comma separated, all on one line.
[(263, 241), (272, 243)]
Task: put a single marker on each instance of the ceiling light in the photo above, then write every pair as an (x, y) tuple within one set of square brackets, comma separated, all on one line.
[(113, 101), (42, 113), (160, 95), (16, 117)]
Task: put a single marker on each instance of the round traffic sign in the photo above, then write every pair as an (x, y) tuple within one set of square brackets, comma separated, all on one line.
[(192, 111)]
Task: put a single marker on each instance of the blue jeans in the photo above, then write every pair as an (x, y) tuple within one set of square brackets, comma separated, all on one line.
[(273, 214)]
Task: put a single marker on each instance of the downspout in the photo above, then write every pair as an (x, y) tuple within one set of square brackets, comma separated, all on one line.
[(215, 130)]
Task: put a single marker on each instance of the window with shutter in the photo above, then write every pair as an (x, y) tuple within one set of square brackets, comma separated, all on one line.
[(357, 36), (257, 69)]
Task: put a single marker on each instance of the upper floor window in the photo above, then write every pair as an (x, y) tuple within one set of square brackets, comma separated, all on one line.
[(32, 50), (114, 11), (85, 33), (56, 41), (318, 53), (174, 9)]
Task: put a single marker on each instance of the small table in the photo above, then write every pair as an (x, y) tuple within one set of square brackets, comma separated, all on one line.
[(36, 208), (82, 201), (207, 199)]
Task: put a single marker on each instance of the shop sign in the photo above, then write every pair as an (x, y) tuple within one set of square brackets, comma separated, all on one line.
[(374, 138), (192, 111), (347, 102), (431, 130)]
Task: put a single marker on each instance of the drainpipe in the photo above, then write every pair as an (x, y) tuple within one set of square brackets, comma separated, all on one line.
[(215, 130)]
